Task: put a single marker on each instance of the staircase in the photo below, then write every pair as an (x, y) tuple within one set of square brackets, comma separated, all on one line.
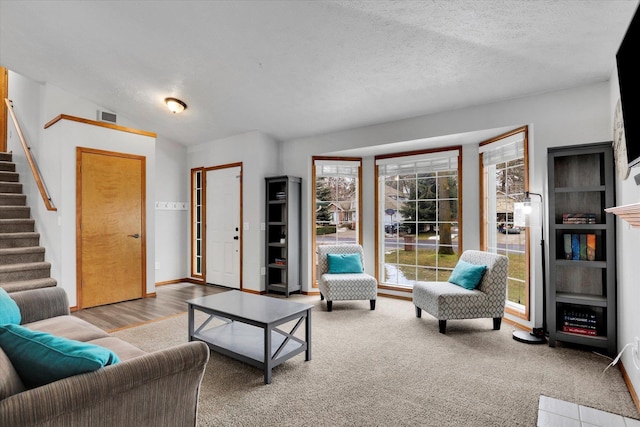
[(22, 264)]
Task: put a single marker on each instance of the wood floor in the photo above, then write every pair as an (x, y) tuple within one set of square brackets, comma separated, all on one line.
[(169, 300)]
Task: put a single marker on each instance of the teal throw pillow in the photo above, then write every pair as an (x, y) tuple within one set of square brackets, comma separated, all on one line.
[(467, 275), (40, 358), (9, 310), (344, 263)]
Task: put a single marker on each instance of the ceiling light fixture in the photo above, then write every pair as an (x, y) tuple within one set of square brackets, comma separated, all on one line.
[(175, 105)]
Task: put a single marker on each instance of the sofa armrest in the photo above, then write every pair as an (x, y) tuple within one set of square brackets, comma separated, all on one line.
[(43, 303), (157, 389)]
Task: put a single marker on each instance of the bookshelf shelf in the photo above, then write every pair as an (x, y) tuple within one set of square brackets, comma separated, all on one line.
[(579, 189), (581, 296)]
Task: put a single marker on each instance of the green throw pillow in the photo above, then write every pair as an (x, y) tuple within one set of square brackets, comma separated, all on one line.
[(344, 263), (467, 275), (9, 310), (41, 358)]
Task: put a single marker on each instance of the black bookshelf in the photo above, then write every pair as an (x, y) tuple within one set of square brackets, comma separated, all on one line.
[(581, 295)]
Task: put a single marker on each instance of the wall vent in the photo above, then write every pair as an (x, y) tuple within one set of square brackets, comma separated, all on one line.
[(105, 116)]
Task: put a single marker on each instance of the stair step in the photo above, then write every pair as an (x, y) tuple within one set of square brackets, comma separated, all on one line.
[(7, 166), (17, 225), (25, 271), (25, 285), (11, 199), (22, 265), (21, 255), (11, 187), (9, 176), (19, 240), (14, 212)]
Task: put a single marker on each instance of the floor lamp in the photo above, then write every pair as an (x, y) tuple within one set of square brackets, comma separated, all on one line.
[(537, 336)]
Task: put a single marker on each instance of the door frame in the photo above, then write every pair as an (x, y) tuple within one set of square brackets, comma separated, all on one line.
[(4, 93), (204, 220), (143, 204)]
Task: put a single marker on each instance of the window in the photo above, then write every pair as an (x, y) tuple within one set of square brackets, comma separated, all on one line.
[(504, 182), (418, 216), (196, 222), (336, 202)]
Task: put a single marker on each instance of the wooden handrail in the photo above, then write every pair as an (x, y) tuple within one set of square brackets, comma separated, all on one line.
[(32, 163)]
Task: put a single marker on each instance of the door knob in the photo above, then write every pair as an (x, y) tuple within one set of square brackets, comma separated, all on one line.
[(235, 237), (135, 236)]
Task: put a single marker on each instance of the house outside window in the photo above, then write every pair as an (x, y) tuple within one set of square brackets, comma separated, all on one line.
[(419, 219), (336, 202), (504, 181)]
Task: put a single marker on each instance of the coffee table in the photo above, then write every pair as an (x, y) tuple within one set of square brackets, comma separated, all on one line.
[(250, 330)]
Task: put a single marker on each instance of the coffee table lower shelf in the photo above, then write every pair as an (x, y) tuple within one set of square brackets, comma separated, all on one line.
[(246, 343)]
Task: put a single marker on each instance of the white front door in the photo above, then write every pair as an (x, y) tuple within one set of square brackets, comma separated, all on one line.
[(222, 225)]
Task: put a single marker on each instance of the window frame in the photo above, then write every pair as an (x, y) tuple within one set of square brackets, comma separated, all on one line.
[(196, 226), (314, 177), (379, 234), (510, 307)]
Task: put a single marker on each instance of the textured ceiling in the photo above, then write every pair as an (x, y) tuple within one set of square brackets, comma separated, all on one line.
[(298, 68)]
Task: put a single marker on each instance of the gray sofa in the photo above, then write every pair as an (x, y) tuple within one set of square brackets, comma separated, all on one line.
[(143, 389)]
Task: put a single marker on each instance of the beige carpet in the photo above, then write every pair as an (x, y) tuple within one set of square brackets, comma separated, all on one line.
[(388, 368)]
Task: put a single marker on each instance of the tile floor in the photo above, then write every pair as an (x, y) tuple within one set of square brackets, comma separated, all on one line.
[(558, 413)]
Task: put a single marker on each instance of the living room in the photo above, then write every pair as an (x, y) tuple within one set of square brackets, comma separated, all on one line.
[(562, 117)]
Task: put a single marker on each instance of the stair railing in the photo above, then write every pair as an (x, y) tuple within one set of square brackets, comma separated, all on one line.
[(46, 198)]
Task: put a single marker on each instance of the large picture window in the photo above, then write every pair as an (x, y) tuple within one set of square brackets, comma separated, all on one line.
[(419, 216), (336, 202), (504, 182)]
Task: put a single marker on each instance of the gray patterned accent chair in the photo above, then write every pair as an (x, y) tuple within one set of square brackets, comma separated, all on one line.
[(444, 300), (344, 286)]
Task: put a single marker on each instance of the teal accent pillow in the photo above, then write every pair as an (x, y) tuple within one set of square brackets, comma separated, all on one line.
[(344, 263), (467, 275), (41, 358), (9, 310)]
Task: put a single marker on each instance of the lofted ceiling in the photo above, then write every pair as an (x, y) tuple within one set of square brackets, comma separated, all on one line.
[(299, 68)]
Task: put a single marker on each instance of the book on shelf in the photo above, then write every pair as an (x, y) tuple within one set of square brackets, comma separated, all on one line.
[(583, 247), (567, 247), (578, 218), (575, 247), (591, 247), (581, 331), (280, 261)]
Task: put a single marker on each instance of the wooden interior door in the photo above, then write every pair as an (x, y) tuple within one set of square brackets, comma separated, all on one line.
[(110, 227)]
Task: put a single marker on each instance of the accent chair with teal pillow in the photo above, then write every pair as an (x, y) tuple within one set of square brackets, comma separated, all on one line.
[(9, 310), (477, 288), (41, 358), (341, 275)]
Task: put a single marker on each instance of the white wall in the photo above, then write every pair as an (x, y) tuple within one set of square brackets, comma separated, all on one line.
[(60, 142), (172, 185), (259, 155), (575, 116), (628, 248)]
